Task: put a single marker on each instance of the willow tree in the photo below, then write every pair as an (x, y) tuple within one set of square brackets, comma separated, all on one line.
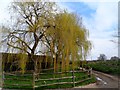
[(61, 33), (30, 20), (67, 40)]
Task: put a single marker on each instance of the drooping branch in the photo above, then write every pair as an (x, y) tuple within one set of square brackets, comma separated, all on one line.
[(20, 40)]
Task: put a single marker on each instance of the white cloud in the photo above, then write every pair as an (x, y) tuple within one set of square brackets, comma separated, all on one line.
[(64, 7), (98, 0), (104, 18), (102, 25), (104, 46), (79, 0), (4, 10), (3, 15)]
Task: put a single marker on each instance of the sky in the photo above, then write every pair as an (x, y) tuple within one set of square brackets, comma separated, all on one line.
[(100, 17)]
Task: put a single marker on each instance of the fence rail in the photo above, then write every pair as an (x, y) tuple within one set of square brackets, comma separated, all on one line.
[(64, 83), (54, 78), (17, 79), (33, 80), (13, 74), (61, 72), (16, 84)]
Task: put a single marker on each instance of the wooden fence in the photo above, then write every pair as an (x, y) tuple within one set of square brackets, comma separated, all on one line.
[(36, 80)]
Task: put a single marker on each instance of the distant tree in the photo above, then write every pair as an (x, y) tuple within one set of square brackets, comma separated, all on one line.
[(114, 58), (102, 57)]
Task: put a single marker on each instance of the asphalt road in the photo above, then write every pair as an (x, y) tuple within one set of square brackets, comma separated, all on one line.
[(104, 81)]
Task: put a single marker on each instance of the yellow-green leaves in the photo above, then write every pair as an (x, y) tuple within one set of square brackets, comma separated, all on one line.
[(22, 60), (69, 38)]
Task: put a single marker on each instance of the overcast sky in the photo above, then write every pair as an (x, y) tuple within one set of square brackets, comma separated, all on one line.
[(99, 17)]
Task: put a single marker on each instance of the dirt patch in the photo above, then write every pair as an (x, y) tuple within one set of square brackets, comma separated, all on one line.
[(93, 85)]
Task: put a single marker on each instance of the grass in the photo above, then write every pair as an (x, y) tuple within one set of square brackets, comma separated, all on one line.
[(79, 76), (18, 80), (109, 66)]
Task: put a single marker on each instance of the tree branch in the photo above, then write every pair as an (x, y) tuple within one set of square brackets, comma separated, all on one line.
[(21, 40), (17, 47)]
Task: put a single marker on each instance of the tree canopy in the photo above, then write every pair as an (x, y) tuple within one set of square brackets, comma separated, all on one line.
[(68, 39), (62, 34)]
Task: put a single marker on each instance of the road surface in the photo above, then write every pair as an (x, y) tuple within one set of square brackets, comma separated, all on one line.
[(104, 81)]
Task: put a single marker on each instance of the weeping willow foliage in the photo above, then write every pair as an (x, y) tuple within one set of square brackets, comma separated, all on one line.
[(62, 33), (68, 40), (22, 60), (16, 61)]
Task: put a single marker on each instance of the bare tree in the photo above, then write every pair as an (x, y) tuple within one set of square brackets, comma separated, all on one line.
[(30, 22)]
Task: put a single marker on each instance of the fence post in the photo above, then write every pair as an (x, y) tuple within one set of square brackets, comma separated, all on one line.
[(1, 70), (73, 78), (3, 77), (90, 72), (33, 82)]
